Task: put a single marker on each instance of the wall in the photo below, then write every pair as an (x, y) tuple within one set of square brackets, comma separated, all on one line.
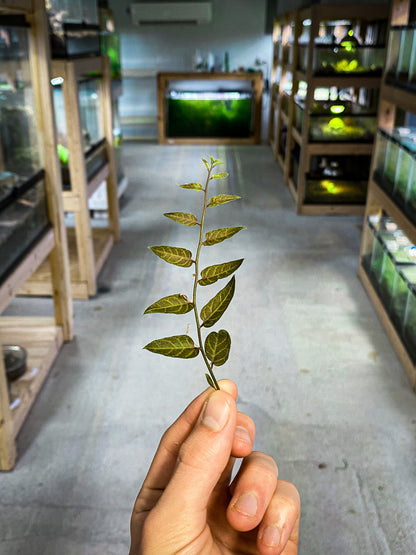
[(283, 6), (237, 27)]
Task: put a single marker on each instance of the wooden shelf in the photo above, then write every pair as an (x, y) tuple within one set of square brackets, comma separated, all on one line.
[(42, 338), (379, 202), (163, 80), (87, 248), (297, 139), (394, 337), (39, 284)]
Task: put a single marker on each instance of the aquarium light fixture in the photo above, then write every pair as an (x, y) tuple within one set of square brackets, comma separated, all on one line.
[(307, 22), (57, 81)]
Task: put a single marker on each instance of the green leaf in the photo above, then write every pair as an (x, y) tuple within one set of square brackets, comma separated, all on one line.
[(195, 186), (178, 346), (217, 235), (206, 163), (209, 380), (182, 218), (216, 307), (217, 347), (173, 255), (173, 304), (218, 271), (219, 175), (221, 199)]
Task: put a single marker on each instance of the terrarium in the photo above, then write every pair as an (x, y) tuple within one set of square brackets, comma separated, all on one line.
[(337, 179), (92, 128), (209, 113), (23, 210), (74, 28)]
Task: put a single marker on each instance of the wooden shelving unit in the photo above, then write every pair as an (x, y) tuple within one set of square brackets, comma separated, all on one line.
[(291, 140), (89, 246), (381, 202), (41, 337), (255, 81)]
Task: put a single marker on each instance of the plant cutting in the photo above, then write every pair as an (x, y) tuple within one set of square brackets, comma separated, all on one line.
[(215, 348)]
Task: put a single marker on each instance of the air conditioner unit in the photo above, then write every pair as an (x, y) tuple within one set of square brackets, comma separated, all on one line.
[(156, 13)]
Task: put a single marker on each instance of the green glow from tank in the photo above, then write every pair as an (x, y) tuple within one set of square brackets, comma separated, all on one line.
[(336, 123), (337, 109)]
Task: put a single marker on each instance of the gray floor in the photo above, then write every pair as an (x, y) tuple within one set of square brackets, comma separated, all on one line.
[(314, 368)]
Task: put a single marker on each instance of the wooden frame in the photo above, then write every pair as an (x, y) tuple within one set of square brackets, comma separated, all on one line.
[(301, 138), (88, 247), (163, 79), (378, 201), (42, 337)]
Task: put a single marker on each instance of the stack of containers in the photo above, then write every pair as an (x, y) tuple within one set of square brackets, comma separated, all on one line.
[(390, 261)]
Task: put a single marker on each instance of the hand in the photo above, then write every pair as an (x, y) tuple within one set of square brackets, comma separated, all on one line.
[(187, 504)]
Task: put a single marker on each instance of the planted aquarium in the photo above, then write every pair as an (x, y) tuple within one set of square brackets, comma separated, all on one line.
[(73, 27), (92, 127), (348, 60), (337, 179), (110, 46), (339, 115), (209, 113)]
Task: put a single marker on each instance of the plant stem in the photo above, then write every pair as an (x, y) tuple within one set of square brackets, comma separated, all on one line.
[(198, 325)]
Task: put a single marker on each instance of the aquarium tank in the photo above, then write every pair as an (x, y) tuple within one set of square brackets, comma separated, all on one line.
[(401, 56), (337, 179), (339, 115), (23, 206), (209, 114), (91, 122), (73, 27)]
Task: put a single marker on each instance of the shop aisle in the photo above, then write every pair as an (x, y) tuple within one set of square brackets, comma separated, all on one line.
[(314, 368)]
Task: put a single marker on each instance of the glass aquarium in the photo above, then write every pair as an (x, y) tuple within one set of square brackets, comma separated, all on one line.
[(110, 46), (401, 56), (74, 28), (339, 115), (209, 114), (92, 127), (23, 217), (337, 179), (23, 209), (404, 279), (409, 324), (348, 60), (395, 165)]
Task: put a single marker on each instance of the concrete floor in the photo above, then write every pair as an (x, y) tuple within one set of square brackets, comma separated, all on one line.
[(314, 368)]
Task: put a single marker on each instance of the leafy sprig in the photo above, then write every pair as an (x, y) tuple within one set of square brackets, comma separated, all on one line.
[(216, 347)]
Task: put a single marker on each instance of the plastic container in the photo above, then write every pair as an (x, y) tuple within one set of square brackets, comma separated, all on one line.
[(404, 175)]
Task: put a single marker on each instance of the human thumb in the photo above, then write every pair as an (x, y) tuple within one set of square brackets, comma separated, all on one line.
[(202, 458)]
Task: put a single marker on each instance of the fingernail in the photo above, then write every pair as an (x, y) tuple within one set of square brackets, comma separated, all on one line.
[(271, 536), (216, 412), (242, 434), (246, 504)]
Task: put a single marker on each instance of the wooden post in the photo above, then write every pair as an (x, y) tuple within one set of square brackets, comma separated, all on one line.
[(107, 116), (41, 76), (7, 444)]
